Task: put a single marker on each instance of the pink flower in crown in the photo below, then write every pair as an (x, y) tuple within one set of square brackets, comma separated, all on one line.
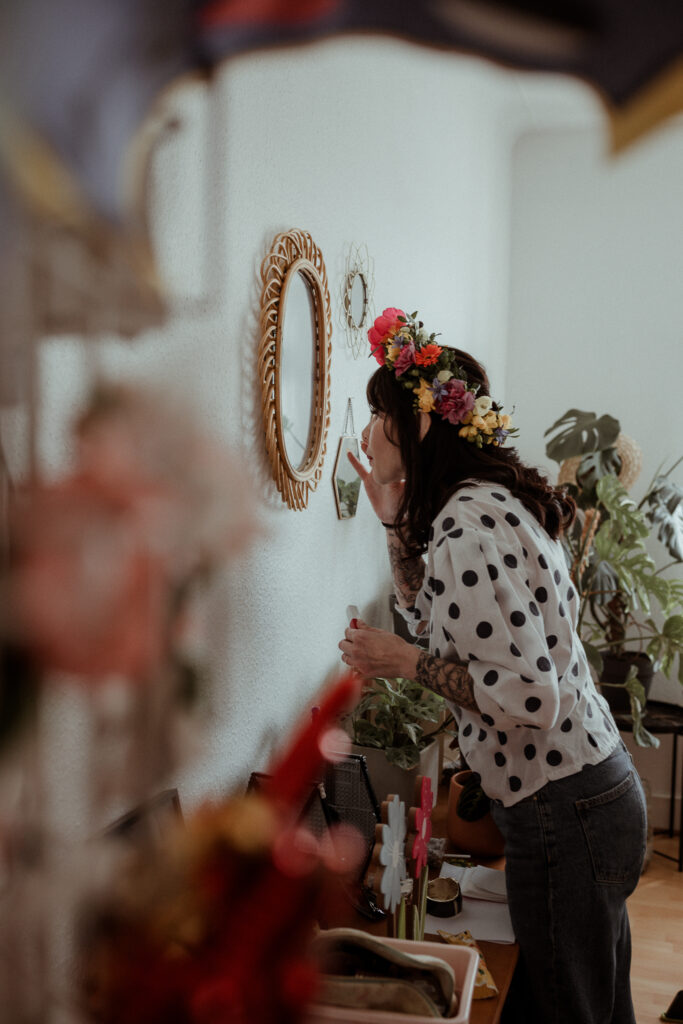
[(385, 326), (423, 826), (405, 359), (455, 402)]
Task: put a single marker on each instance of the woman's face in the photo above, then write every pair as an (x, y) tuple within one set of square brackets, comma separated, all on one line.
[(383, 452)]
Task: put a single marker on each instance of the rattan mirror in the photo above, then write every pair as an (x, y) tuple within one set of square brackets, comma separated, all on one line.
[(294, 363)]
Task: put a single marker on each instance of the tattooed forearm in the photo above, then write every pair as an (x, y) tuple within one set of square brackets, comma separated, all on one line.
[(450, 679), (407, 573)]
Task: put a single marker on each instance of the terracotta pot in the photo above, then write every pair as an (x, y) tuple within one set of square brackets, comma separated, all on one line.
[(480, 838), (615, 668)]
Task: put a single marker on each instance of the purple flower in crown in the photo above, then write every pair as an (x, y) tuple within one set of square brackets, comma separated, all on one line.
[(439, 388), (405, 359), (456, 401)]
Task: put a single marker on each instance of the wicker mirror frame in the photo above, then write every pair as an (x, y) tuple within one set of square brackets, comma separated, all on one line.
[(294, 252)]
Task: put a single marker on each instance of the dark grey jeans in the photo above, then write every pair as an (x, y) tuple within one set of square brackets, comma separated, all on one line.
[(574, 852)]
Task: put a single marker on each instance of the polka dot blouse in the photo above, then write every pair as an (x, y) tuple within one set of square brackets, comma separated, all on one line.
[(497, 594)]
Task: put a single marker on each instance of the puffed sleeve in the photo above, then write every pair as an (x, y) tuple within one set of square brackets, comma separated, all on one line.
[(483, 611)]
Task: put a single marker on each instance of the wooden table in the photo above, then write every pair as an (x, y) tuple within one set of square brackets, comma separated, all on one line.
[(501, 957)]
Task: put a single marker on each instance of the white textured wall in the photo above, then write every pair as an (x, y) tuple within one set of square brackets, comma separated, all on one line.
[(596, 305), (369, 141)]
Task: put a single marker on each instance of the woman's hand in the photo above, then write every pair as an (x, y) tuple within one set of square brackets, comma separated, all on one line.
[(384, 498), (374, 652)]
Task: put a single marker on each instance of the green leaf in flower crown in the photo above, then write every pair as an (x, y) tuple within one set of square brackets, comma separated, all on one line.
[(665, 512), (578, 433)]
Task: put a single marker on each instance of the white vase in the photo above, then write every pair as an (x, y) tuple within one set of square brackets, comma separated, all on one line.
[(387, 778)]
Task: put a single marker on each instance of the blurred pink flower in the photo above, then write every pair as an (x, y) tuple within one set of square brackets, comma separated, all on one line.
[(86, 596)]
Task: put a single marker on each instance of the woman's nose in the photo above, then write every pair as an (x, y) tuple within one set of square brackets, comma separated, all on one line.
[(364, 437)]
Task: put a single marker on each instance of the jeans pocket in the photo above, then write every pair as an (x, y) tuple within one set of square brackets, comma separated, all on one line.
[(614, 825)]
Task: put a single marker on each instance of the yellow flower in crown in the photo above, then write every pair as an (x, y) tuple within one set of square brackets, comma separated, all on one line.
[(469, 433), (425, 396), (505, 421), (392, 352)]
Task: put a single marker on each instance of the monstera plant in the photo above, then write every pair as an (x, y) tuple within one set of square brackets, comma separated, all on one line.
[(630, 617)]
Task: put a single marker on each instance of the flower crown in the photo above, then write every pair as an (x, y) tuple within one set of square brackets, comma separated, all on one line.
[(399, 342)]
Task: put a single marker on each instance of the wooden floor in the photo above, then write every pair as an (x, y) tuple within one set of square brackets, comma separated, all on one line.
[(656, 914)]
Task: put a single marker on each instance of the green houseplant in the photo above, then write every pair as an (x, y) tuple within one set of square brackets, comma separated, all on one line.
[(630, 617), (395, 725)]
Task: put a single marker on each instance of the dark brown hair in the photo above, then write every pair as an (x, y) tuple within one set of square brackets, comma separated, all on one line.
[(442, 462)]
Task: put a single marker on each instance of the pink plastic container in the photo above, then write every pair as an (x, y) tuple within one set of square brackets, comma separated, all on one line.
[(462, 959)]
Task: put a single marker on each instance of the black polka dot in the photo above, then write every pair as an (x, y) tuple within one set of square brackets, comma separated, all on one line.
[(502, 738), (430, 537), (541, 595), (470, 578), (591, 740), (500, 758), (567, 725), (487, 720), (542, 562), (551, 641), (465, 497), (482, 735), (518, 618), (472, 657), (448, 524), (526, 679), (553, 757), (515, 650), (498, 496), (561, 610), (437, 652), (510, 561), (439, 587), (453, 610), (511, 518), (589, 710), (493, 572), (416, 612), (525, 552), (532, 703), (467, 731), (515, 783), (557, 576), (491, 677), (575, 668), (447, 635), (488, 522), (484, 630), (570, 594), (543, 664), (533, 608), (530, 751), (456, 533)]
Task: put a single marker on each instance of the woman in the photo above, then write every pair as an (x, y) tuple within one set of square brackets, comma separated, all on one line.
[(500, 609)]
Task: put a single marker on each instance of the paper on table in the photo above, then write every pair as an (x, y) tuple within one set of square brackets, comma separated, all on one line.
[(485, 918), (484, 884)]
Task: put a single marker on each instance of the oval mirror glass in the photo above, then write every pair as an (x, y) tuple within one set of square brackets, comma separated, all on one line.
[(297, 367), (358, 299)]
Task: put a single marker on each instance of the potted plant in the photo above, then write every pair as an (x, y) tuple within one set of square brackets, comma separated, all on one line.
[(470, 825), (395, 726), (630, 617)]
